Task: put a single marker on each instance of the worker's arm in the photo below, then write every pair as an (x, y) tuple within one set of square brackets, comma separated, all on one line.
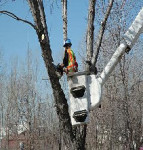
[(65, 59)]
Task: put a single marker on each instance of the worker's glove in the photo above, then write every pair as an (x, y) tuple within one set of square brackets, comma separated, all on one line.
[(59, 70), (65, 70)]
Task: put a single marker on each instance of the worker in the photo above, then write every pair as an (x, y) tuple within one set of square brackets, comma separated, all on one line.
[(69, 61)]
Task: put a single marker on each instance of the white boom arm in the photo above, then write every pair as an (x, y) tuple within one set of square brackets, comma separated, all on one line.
[(130, 37), (85, 90)]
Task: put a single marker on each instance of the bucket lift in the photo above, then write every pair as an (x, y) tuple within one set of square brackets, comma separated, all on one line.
[(84, 92), (85, 89)]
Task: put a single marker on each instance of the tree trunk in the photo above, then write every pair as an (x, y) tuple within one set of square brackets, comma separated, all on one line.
[(80, 136), (38, 13), (90, 33), (64, 16)]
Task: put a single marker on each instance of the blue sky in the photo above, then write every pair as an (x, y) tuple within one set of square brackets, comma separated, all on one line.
[(15, 36)]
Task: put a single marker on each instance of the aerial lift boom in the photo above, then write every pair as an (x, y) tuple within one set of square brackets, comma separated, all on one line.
[(85, 89), (130, 38)]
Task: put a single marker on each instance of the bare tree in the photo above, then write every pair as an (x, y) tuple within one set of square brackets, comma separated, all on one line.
[(73, 138)]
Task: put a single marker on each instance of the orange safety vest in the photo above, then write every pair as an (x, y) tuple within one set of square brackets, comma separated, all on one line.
[(72, 64)]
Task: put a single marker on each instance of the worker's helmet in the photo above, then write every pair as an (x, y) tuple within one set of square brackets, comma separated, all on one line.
[(67, 43)]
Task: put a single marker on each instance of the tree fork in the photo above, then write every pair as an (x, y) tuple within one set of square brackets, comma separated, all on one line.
[(100, 36)]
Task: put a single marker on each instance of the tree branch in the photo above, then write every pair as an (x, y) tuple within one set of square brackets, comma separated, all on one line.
[(101, 32), (90, 33), (64, 17), (12, 15)]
